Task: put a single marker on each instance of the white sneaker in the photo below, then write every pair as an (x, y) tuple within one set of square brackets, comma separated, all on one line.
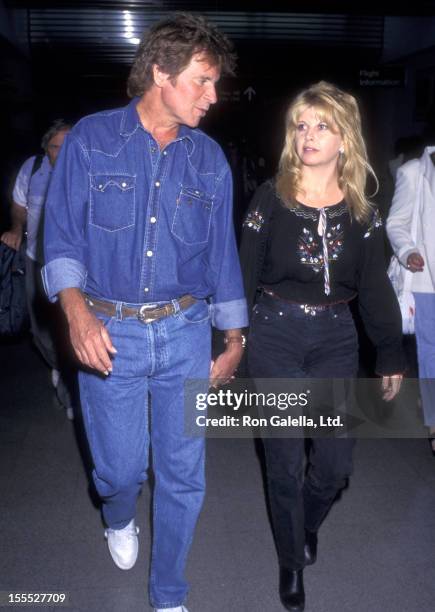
[(55, 375), (178, 609), (123, 545)]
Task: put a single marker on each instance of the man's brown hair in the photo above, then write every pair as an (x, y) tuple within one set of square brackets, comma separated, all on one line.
[(171, 43)]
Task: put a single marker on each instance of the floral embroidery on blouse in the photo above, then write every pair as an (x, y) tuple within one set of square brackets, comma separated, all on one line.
[(254, 220), (375, 222), (332, 211), (310, 249)]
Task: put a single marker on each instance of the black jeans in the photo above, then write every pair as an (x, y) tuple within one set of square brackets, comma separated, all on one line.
[(287, 341)]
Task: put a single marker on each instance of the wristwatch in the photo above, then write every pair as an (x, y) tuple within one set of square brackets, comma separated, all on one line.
[(236, 339)]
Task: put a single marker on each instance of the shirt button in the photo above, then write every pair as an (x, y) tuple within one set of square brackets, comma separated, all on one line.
[(165, 153), (149, 253), (146, 289), (153, 219), (157, 184), (123, 184)]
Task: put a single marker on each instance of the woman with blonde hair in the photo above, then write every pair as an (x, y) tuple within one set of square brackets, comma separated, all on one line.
[(312, 242)]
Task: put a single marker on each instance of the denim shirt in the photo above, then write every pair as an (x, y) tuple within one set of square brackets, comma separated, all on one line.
[(126, 221)]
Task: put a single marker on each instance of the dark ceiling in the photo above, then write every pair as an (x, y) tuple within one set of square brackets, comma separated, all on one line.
[(367, 7), (79, 53)]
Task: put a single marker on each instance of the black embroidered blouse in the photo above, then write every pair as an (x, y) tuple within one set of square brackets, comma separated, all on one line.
[(285, 249)]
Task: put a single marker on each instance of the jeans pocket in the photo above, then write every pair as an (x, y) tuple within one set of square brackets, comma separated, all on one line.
[(263, 314), (197, 313), (105, 320), (112, 201), (344, 318), (192, 217)]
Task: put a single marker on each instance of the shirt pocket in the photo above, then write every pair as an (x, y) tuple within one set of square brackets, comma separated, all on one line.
[(192, 217), (197, 313), (112, 201)]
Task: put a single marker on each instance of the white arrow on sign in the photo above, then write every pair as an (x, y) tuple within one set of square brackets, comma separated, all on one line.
[(250, 92)]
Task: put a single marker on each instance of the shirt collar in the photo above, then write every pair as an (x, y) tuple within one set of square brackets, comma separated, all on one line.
[(187, 135), (130, 122), (130, 119)]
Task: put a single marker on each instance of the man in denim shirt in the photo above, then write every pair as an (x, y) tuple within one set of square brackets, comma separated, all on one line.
[(141, 253)]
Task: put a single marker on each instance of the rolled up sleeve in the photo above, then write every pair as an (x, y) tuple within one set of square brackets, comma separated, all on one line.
[(62, 273), (65, 215), (229, 315), (228, 303)]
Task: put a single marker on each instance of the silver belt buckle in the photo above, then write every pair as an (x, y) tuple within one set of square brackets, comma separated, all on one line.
[(141, 315)]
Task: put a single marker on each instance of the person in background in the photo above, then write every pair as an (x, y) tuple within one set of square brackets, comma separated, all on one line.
[(140, 252), (311, 243), (415, 188), (405, 148), (29, 197)]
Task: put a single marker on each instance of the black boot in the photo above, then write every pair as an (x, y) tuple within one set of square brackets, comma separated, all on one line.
[(291, 589), (310, 548)]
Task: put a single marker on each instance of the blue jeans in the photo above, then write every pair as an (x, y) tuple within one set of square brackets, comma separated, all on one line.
[(425, 337), (287, 341), (152, 359)]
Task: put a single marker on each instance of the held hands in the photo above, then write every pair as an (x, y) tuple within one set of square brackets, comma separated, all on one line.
[(223, 368), (415, 262), (391, 386)]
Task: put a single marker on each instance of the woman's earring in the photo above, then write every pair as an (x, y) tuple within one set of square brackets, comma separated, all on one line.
[(341, 150)]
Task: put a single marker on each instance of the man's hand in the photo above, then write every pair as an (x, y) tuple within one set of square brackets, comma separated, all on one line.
[(391, 386), (89, 337), (415, 262), (223, 368), (13, 238)]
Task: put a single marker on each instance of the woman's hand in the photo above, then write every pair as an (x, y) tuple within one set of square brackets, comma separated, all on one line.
[(391, 386)]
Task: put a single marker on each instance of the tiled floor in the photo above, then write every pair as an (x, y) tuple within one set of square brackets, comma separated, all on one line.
[(376, 550)]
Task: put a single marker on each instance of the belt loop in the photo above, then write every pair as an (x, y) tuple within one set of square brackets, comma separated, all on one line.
[(119, 311), (176, 306)]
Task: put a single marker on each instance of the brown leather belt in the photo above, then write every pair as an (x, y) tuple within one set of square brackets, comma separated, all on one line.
[(147, 313)]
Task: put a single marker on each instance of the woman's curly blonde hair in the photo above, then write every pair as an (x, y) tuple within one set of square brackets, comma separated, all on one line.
[(340, 111)]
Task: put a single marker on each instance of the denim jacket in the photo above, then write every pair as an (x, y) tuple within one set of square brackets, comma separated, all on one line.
[(126, 221)]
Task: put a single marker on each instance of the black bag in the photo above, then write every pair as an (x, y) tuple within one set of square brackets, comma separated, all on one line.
[(13, 303), (14, 316)]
